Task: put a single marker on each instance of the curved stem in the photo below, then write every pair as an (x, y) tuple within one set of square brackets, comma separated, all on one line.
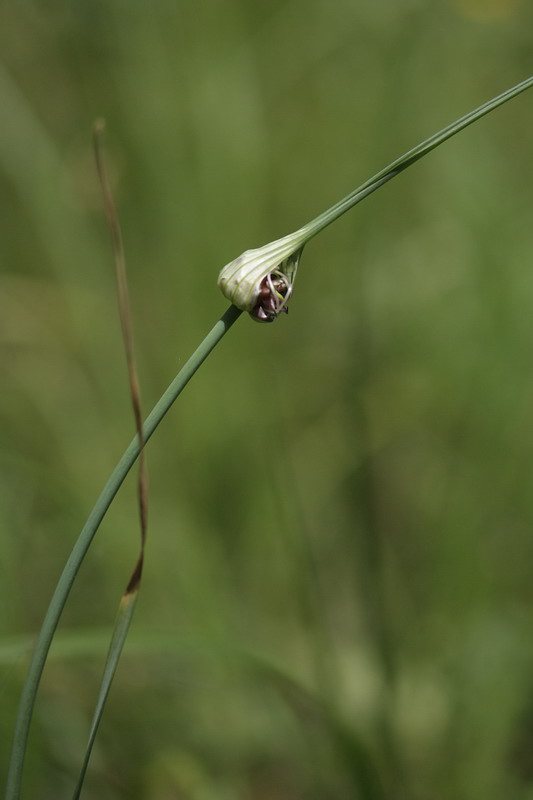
[(85, 538)]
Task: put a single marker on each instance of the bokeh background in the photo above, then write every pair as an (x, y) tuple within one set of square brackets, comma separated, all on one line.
[(338, 594)]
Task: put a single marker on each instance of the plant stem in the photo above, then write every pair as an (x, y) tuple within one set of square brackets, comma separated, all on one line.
[(86, 536), (407, 159)]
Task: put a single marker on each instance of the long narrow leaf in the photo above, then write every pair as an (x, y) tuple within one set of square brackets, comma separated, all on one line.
[(120, 631)]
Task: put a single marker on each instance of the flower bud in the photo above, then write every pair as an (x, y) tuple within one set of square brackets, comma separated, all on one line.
[(260, 281)]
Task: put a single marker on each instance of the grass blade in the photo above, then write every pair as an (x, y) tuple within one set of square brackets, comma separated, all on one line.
[(127, 335), (118, 637), (129, 598)]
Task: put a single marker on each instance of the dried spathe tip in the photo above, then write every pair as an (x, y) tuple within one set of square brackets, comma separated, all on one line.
[(261, 281)]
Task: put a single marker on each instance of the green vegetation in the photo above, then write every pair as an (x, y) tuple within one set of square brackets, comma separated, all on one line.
[(336, 600)]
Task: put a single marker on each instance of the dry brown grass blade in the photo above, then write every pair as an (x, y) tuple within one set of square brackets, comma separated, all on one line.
[(128, 338), (129, 598)]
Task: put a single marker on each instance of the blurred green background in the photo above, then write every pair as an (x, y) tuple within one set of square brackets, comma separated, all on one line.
[(338, 594)]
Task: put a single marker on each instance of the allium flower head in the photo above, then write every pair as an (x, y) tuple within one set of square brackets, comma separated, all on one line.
[(260, 281)]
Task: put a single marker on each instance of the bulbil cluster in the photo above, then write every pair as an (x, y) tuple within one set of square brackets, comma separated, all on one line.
[(274, 292), (260, 281)]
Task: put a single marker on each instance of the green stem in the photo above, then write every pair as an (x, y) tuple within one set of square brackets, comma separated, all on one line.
[(79, 550), (407, 159)]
